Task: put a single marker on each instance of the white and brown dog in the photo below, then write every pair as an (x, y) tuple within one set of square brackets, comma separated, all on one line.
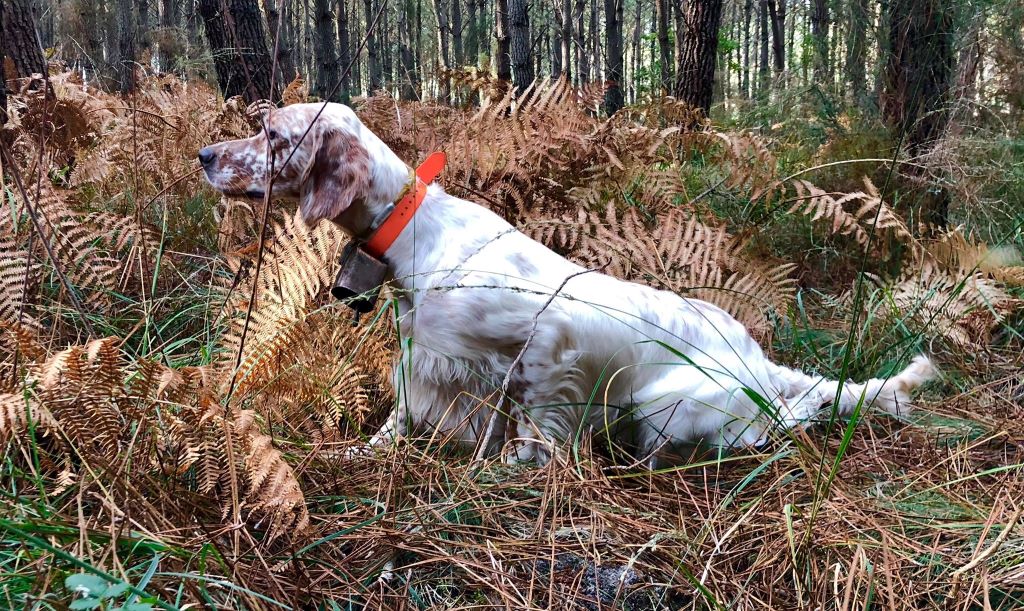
[(578, 352)]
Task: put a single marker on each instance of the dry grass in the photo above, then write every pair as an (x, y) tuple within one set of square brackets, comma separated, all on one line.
[(151, 457)]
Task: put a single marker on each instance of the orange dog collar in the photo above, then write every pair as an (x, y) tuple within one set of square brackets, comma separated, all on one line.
[(405, 209)]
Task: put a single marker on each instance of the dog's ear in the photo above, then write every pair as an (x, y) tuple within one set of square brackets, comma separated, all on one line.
[(338, 174)]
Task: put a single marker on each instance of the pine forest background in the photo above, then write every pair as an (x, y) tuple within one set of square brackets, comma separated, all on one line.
[(178, 389)]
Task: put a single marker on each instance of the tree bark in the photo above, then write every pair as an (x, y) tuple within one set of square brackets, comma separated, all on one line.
[(661, 10), (778, 38), (762, 63), (635, 52), (855, 57), (456, 30), (563, 53), (472, 33), (579, 46), (442, 50), (520, 47), (696, 78), (280, 41), (503, 53), (748, 11), (918, 79), (21, 41), (409, 76), (819, 40), (239, 45), (344, 53), (126, 33), (373, 67), (327, 70), (613, 98)]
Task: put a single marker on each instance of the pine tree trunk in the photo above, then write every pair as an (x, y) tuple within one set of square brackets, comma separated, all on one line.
[(373, 67), (3, 80), (503, 53), (344, 53), (239, 45), (21, 41), (661, 10), (819, 40), (778, 38), (748, 11), (855, 57), (696, 78), (635, 52), (281, 43), (327, 71), (762, 63), (579, 46), (472, 33), (519, 41), (409, 77), (166, 50), (613, 98), (918, 79), (456, 29), (444, 90), (126, 33), (564, 50), (595, 41)]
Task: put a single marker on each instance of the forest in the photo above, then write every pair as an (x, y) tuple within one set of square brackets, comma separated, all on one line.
[(179, 391)]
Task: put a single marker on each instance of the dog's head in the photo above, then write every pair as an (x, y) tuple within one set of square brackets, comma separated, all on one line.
[(327, 161)]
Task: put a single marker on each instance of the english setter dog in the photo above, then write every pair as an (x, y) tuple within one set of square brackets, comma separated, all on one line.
[(489, 310)]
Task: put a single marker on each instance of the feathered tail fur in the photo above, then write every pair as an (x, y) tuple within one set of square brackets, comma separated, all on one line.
[(805, 395)]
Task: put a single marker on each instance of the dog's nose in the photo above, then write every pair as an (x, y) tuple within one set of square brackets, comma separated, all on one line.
[(206, 155)]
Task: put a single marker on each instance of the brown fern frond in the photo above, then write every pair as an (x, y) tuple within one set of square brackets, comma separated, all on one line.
[(273, 491)]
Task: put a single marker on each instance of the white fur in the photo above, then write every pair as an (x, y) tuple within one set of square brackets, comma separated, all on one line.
[(471, 290)]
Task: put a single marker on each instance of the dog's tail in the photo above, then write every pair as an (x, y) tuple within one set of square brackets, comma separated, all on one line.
[(805, 394)]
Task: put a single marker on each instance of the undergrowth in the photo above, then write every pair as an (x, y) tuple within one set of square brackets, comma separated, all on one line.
[(174, 426)]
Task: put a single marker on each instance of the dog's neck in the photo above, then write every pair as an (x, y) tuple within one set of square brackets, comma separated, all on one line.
[(389, 177)]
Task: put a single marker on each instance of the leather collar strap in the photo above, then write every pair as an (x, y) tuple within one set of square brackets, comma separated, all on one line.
[(405, 209)]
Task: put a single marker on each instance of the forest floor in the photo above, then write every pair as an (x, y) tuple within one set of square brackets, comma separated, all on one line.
[(168, 442)]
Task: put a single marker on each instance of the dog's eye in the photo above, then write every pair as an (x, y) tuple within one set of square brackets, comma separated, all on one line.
[(272, 134)]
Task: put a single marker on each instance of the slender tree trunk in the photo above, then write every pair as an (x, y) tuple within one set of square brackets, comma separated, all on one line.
[(579, 45), (458, 56), (696, 78), (748, 10), (3, 80), (166, 50), (279, 37), (472, 33), (126, 34), (762, 64), (520, 47), (442, 50), (918, 79), (613, 99), (21, 41), (778, 38), (855, 57), (635, 52), (238, 42), (565, 41), (661, 10), (409, 77), (327, 70), (503, 53), (344, 53), (595, 43), (373, 66), (819, 40), (143, 27)]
